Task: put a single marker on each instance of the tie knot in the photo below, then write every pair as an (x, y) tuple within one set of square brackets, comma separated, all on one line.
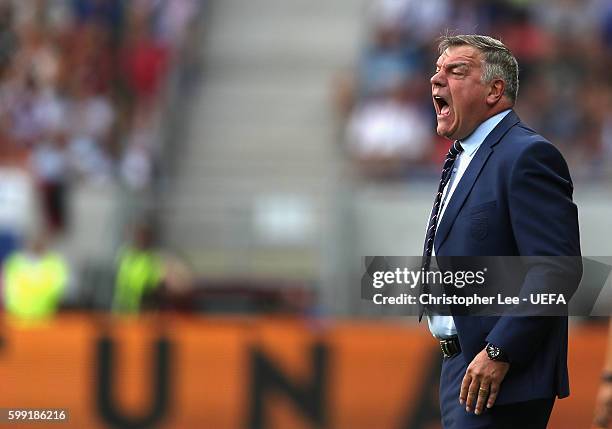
[(455, 149)]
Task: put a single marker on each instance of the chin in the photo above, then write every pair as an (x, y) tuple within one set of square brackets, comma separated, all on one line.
[(443, 129), (442, 132)]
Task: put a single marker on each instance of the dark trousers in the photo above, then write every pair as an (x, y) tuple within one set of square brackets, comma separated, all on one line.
[(532, 414)]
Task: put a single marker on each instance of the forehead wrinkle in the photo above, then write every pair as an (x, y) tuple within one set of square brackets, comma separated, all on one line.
[(467, 54)]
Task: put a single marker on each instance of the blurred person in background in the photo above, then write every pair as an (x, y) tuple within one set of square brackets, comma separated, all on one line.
[(139, 271), (18, 206), (142, 142), (387, 131), (49, 164), (90, 118), (34, 280), (387, 59), (505, 190), (387, 134), (48, 159), (145, 58), (147, 277)]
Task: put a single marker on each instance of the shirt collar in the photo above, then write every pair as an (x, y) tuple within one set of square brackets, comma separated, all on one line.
[(473, 142)]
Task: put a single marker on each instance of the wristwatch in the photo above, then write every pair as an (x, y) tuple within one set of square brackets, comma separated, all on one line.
[(495, 353)]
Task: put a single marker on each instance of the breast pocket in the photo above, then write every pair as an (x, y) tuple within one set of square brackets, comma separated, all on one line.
[(479, 219)]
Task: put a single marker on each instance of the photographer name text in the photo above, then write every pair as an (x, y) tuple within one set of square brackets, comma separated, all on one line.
[(499, 299)]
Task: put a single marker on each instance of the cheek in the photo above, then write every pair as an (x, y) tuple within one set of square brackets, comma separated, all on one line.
[(466, 102)]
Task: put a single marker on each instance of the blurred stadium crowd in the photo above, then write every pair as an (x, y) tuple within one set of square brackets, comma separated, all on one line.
[(82, 86), (564, 49)]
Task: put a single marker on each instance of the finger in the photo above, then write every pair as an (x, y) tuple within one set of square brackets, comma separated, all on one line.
[(493, 391), (483, 394), (465, 384), (472, 395)]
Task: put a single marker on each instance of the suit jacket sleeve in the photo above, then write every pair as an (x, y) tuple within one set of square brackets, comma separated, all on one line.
[(544, 221)]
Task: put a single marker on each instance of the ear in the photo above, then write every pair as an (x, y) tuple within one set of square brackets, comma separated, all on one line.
[(496, 91)]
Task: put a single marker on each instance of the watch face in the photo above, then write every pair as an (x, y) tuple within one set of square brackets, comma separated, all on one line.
[(492, 351)]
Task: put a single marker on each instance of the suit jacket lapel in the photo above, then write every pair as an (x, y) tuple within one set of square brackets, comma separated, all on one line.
[(469, 177)]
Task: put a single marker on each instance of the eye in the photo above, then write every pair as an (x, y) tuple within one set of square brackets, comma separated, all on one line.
[(459, 71)]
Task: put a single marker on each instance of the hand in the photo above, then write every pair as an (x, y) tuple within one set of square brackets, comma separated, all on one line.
[(603, 406), (481, 382)]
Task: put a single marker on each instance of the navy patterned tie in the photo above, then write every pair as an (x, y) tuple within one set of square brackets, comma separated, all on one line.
[(447, 170)]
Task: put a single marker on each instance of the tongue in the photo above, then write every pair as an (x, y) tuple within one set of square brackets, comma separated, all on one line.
[(445, 110)]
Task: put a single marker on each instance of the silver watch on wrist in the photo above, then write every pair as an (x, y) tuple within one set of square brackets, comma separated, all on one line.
[(495, 353)]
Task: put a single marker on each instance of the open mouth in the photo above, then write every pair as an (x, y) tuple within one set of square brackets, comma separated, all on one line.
[(442, 106)]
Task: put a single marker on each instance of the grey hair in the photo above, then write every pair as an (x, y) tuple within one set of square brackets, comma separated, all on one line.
[(498, 61)]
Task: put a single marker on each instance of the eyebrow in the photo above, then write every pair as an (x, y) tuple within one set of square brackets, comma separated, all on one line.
[(455, 65)]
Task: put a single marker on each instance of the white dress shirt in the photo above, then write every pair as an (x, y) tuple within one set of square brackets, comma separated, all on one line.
[(444, 326)]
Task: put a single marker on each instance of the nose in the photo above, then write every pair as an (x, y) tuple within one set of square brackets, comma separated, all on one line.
[(437, 79)]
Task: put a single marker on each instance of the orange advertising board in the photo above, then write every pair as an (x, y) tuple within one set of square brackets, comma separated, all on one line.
[(218, 373)]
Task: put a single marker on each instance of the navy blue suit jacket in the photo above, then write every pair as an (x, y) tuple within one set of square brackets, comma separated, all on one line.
[(515, 199)]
